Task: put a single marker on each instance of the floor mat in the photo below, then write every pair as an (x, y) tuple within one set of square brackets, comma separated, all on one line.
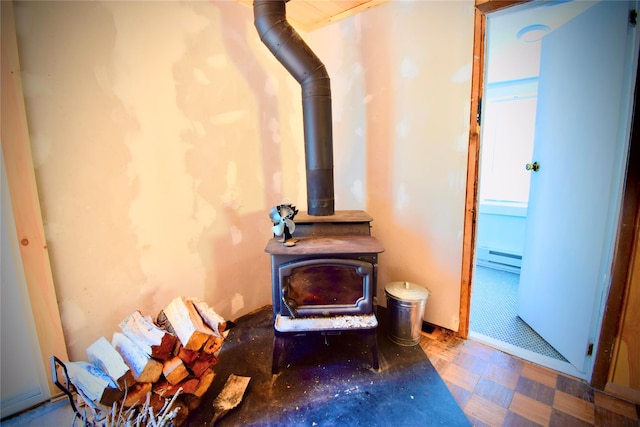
[(494, 303), (328, 381)]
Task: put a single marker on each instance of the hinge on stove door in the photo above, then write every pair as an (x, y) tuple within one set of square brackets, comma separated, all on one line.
[(633, 17), (590, 349)]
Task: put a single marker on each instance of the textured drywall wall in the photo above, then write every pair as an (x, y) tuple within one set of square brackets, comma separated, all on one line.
[(401, 82), (163, 132)]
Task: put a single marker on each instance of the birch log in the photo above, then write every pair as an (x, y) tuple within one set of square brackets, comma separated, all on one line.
[(156, 342), (214, 321), (102, 354), (93, 383), (209, 316), (143, 367), (187, 323)]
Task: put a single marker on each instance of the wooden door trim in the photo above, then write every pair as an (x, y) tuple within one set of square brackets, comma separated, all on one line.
[(482, 7), (23, 191), (623, 255), (471, 205)]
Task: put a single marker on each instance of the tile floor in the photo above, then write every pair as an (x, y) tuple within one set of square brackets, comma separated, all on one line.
[(494, 312), (492, 387), (496, 389), (56, 413)]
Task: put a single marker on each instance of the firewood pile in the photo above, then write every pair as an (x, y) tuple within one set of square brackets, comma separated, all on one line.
[(152, 362)]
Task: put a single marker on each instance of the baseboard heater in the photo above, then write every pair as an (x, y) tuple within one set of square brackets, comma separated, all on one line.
[(498, 259)]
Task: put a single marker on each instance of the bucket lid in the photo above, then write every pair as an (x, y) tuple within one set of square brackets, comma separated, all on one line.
[(407, 291)]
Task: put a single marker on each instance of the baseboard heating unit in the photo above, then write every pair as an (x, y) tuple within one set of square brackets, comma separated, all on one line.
[(498, 259)]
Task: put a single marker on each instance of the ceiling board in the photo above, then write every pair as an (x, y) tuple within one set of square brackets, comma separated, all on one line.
[(309, 15)]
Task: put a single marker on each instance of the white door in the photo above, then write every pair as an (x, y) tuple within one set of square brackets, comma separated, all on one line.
[(580, 144), (23, 379)]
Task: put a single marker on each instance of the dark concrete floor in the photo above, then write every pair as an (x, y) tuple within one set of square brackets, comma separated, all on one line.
[(328, 383)]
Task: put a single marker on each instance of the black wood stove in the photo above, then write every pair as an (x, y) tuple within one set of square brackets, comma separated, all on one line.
[(326, 283)]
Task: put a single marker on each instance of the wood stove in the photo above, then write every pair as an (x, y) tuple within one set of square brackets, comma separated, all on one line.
[(326, 283)]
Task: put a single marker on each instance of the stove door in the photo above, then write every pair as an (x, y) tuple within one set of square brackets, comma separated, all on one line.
[(326, 287)]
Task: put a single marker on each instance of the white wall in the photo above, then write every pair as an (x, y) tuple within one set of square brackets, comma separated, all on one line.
[(163, 132), (401, 82)]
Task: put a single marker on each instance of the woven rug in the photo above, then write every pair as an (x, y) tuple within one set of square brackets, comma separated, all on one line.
[(494, 304), (328, 381)]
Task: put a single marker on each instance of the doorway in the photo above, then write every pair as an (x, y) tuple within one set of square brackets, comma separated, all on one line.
[(509, 108), (508, 127)]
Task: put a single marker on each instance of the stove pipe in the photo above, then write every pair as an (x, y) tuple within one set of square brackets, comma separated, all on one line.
[(292, 52)]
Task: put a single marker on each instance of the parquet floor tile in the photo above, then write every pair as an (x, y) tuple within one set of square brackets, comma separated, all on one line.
[(496, 389)]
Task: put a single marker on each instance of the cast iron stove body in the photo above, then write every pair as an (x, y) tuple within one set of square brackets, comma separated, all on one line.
[(325, 283)]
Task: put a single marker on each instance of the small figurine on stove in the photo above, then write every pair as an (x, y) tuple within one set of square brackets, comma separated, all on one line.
[(282, 218)]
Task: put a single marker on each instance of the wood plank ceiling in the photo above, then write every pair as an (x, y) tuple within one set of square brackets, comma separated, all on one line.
[(309, 15)]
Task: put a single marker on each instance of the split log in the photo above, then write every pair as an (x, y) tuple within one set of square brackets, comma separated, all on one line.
[(157, 402), (137, 394), (143, 367), (151, 363), (214, 321), (196, 386), (229, 397), (93, 383), (213, 344), (209, 316), (174, 370), (192, 401), (183, 411), (187, 323), (202, 363), (187, 356), (165, 389), (205, 382), (102, 354), (156, 342)]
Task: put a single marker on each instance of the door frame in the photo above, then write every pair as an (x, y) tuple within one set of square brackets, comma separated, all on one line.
[(23, 193), (626, 229)]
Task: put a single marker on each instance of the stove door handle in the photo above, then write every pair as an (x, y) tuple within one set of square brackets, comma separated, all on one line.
[(290, 305)]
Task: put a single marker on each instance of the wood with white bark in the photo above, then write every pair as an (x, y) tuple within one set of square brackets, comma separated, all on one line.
[(209, 316), (171, 358), (156, 342), (187, 323), (230, 396), (214, 321), (143, 367), (102, 354), (93, 383)]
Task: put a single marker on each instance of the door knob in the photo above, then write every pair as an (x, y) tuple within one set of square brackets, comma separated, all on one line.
[(535, 166)]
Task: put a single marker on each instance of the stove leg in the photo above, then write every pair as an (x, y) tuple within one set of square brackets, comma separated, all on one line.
[(373, 346), (278, 349)]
